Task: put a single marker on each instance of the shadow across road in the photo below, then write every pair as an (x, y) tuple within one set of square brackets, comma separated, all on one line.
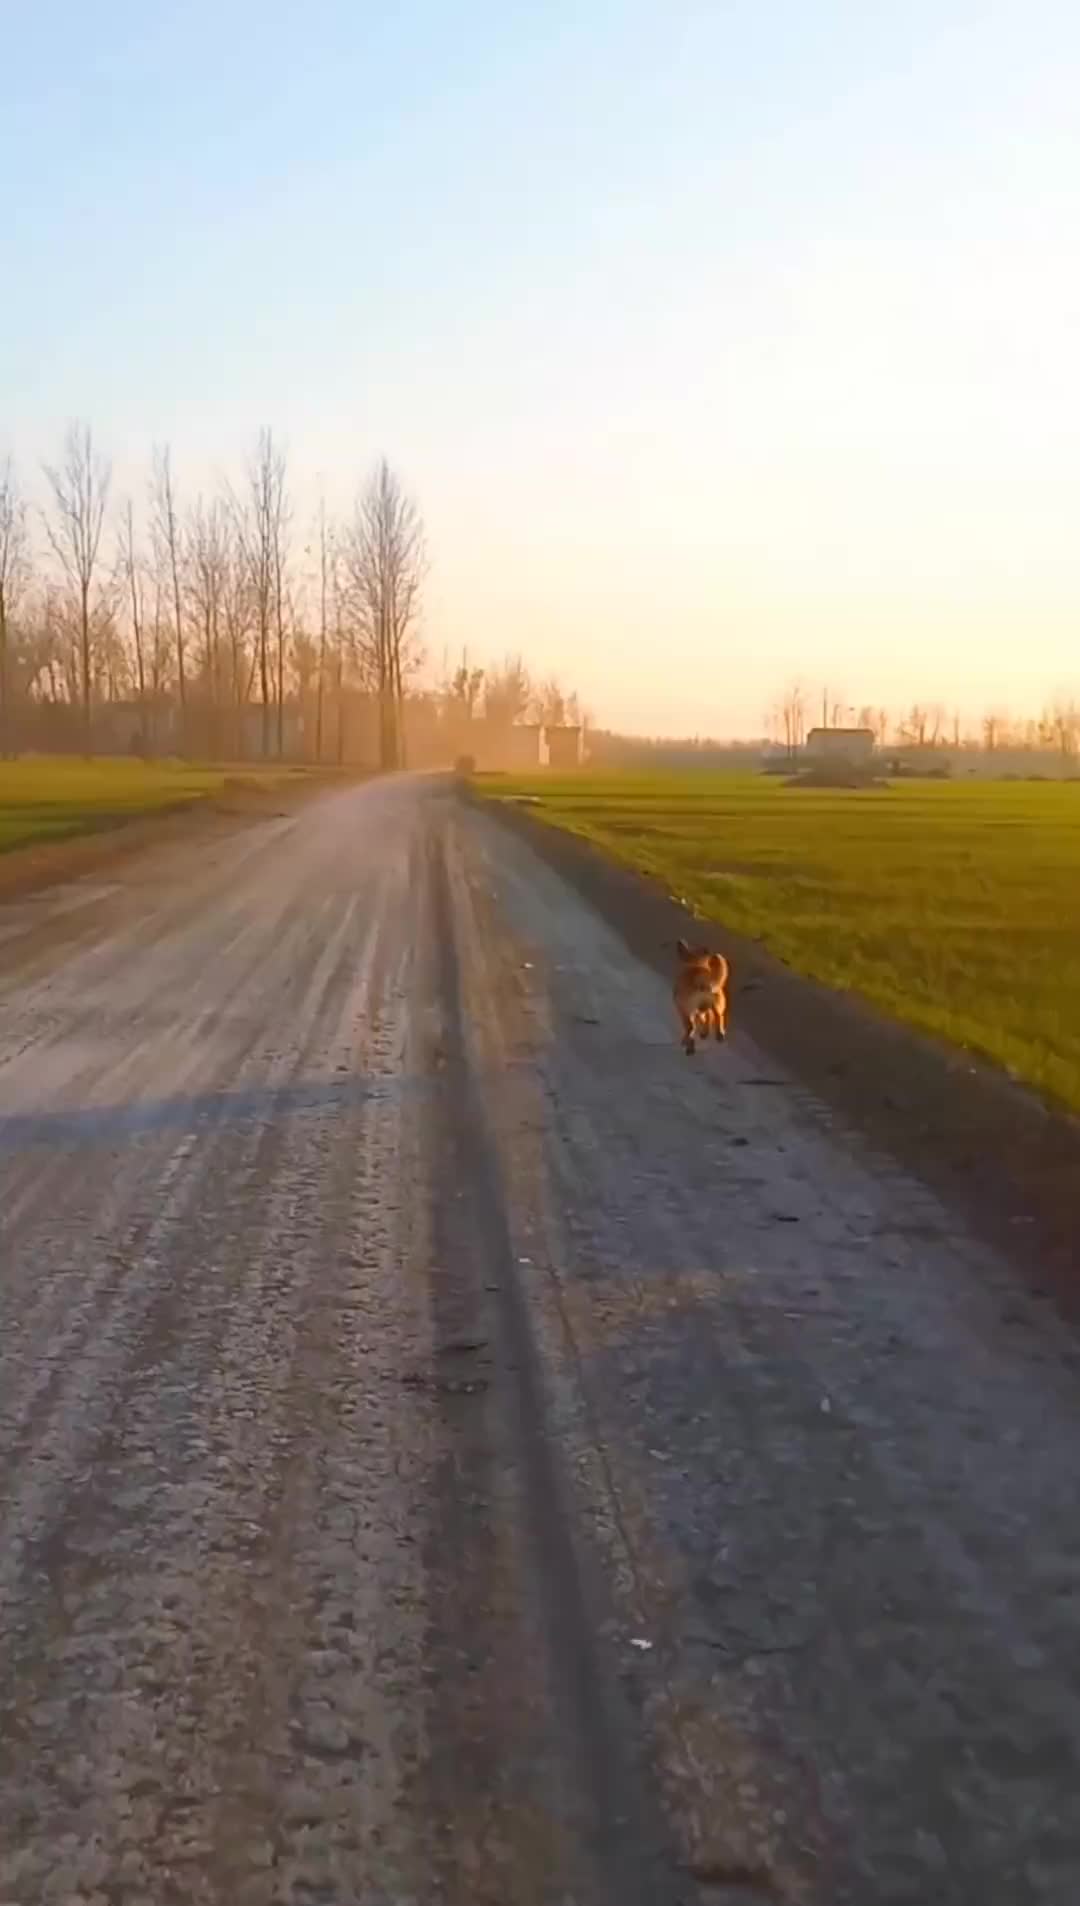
[(109, 1124)]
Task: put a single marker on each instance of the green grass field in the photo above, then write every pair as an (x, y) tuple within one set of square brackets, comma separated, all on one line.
[(54, 798), (954, 907)]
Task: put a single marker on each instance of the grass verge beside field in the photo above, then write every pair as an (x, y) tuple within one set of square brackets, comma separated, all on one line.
[(954, 907), (48, 798)]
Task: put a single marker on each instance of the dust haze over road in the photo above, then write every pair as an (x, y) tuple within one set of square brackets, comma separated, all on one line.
[(453, 1448)]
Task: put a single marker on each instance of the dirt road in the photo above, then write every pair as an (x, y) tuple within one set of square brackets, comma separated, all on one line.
[(454, 1448)]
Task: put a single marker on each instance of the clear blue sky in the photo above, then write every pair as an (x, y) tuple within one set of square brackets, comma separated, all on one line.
[(716, 341)]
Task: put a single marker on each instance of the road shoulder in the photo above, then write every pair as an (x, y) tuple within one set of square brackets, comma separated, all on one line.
[(991, 1149)]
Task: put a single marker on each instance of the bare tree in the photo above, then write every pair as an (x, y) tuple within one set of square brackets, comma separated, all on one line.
[(995, 730), (80, 490), (1061, 726), (327, 565), (238, 617), (111, 656), (35, 653), (507, 692), (131, 571), (915, 725), (465, 687), (281, 522), (161, 638), (384, 555), (51, 638), (14, 575), (168, 542), (338, 590), (207, 545), (305, 664), (261, 521), (549, 703), (791, 717)]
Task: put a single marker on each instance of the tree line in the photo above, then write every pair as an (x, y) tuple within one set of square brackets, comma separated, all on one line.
[(926, 724), (211, 613), (503, 695)]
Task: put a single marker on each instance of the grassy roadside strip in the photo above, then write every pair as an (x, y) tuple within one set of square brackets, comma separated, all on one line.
[(44, 800), (955, 908)]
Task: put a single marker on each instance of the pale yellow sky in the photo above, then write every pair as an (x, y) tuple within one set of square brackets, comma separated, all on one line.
[(718, 341), (871, 479)]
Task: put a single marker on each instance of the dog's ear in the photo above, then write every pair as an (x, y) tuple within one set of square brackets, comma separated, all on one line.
[(716, 963), (682, 949)]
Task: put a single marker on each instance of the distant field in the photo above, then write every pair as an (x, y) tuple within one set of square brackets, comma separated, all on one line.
[(52, 799), (953, 907)]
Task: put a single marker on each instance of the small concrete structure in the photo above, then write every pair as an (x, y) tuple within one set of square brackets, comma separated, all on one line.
[(519, 746), (849, 747), (565, 745)]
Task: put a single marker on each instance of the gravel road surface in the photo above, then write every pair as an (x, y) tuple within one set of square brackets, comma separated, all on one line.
[(454, 1448)]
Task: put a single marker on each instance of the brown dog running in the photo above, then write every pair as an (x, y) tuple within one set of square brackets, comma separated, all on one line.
[(701, 994)]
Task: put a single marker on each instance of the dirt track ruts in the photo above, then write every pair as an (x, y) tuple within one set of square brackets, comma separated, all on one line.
[(452, 1447)]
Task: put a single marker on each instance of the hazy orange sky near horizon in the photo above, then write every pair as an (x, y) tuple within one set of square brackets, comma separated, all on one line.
[(719, 343)]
